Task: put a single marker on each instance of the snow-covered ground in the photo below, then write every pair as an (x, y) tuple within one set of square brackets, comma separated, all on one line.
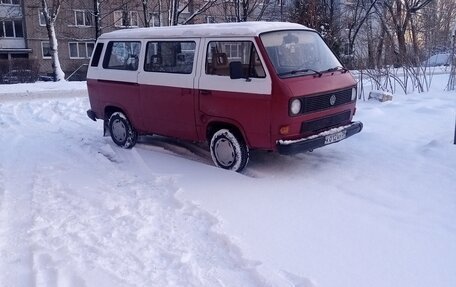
[(377, 209)]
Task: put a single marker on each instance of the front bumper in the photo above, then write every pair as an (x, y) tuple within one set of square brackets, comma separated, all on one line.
[(322, 139)]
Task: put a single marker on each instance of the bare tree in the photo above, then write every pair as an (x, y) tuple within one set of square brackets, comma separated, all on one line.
[(435, 26), (399, 17), (244, 9), (356, 16), (451, 86), (202, 9), (50, 14), (104, 10), (321, 15)]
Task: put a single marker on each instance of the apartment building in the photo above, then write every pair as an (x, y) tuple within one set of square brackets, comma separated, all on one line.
[(24, 37), (12, 38)]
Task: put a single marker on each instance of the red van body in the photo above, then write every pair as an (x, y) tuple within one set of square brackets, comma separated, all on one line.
[(239, 86)]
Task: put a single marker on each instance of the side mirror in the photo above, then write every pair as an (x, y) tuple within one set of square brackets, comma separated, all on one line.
[(236, 70)]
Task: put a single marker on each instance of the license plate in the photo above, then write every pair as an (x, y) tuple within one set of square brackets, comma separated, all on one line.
[(335, 137)]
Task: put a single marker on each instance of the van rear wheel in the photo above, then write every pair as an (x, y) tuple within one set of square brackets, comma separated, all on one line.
[(121, 130), (229, 151)]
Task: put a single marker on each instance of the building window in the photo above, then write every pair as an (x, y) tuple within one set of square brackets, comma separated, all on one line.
[(118, 18), (155, 19), (42, 19), (12, 2), (8, 28), (46, 50), (83, 18), (210, 19), (231, 19), (347, 49), (233, 50), (80, 50), (134, 19), (11, 29), (18, 31), (126, 19)]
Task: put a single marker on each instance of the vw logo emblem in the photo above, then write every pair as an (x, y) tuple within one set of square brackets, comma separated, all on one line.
[(332, 100)]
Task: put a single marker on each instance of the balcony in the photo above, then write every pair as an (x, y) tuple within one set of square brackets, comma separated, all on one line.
[(11, 27), (8, 11), (12, 43)]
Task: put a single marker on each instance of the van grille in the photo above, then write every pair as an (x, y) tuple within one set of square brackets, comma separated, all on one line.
[(321, 102), (324, 123)]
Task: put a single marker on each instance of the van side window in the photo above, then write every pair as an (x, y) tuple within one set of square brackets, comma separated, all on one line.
[(122, 55), (96, 55), (170, 57), (221, 54)]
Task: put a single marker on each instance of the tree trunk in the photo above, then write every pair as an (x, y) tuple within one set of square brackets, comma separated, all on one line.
[(402, 53), (59, 75), (416, 48), (146, 13), (50, 15), (380, 44), (96, 14)]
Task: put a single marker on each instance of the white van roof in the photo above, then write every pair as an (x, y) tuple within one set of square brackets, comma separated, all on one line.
[(204, 30)]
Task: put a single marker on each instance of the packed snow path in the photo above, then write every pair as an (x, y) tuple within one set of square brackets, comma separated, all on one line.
[(375, 210)]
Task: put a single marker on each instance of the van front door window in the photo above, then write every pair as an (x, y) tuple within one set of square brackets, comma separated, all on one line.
[(221, 53)]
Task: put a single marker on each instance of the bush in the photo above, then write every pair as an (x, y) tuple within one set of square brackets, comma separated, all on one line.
[(19, 71)]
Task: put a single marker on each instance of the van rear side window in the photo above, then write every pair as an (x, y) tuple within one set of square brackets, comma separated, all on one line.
[(170, 57), (121, 55), (96, 55)]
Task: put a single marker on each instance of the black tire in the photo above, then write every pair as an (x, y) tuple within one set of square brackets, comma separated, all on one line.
[(229, 151), (122, 132)]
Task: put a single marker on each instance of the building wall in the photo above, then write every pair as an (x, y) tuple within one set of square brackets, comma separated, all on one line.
[(67, 30), (75, 27)]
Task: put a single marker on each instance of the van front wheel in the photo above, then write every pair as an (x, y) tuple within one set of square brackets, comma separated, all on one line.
[(229, 151), (122, 132)]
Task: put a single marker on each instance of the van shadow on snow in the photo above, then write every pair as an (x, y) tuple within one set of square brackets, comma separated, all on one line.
[(261, 163)]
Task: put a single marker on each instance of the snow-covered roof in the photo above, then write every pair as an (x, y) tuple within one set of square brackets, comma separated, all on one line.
[(204, 30)]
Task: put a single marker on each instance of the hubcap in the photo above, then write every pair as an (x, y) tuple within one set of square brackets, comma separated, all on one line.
[(224, 152), (119, 130)]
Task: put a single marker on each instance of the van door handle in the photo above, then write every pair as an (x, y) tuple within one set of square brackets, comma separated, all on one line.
[(206, 92)]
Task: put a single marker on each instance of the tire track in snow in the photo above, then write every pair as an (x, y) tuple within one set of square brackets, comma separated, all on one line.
[(87, 218), (17, 159), (136, 233), (30, 138), (15, 219)]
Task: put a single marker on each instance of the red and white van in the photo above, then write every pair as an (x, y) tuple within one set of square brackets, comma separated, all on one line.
[(238, 86)]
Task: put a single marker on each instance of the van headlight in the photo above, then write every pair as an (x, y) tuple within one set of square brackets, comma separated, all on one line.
[(295, 106), (354, 94)]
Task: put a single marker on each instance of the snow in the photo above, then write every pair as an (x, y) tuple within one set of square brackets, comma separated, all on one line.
[(376, 209), (197, 30)]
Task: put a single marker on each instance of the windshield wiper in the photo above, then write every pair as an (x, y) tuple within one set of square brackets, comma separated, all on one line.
[(319, 74), (344, 70)]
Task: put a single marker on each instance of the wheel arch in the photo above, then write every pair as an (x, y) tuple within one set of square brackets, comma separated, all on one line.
[(214, 126), (111, 109)]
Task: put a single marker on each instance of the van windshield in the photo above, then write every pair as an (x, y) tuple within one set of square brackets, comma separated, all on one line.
[(298, 52)]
